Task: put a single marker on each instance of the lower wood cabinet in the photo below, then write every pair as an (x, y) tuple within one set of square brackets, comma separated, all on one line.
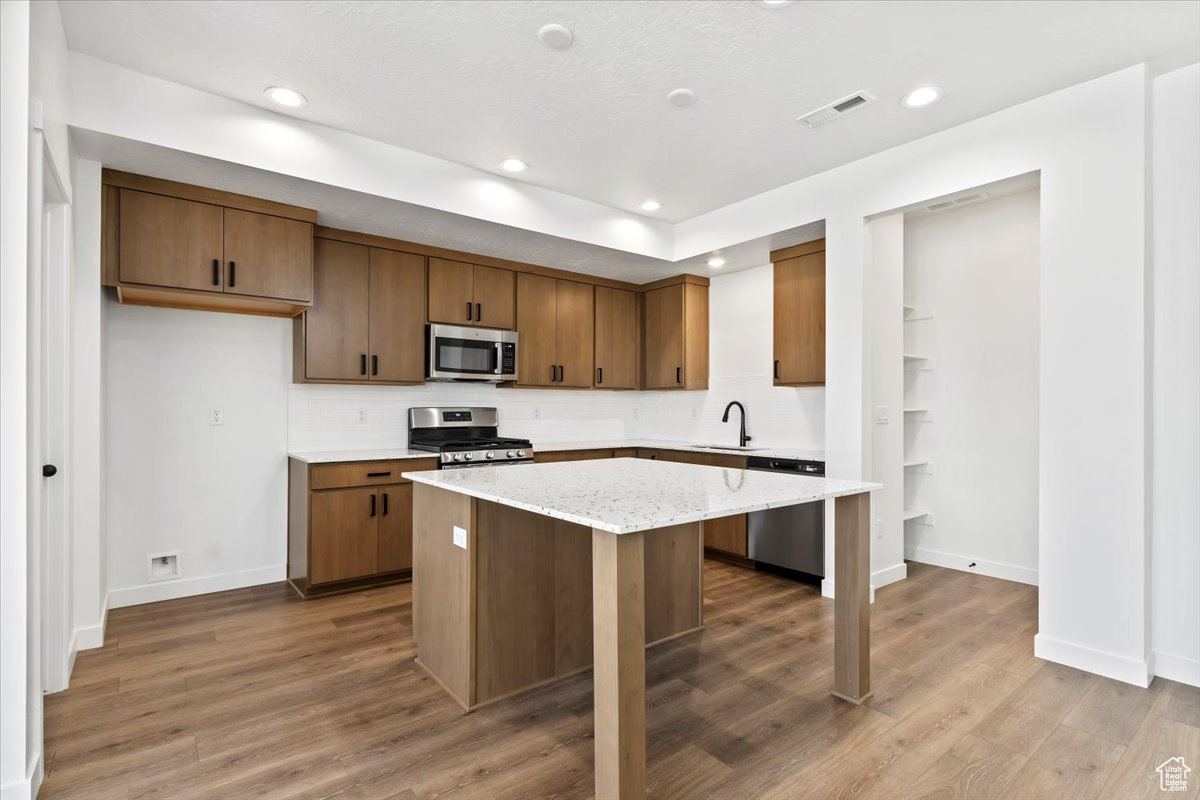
[(349, 524), (727, 534)]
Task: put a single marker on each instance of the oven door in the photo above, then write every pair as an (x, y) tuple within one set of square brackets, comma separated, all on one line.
[(471, 354)]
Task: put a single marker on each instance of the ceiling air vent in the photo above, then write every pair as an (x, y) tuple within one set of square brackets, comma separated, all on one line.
[(836, 109)]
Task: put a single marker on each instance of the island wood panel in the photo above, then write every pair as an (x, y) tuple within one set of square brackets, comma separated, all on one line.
[(168, 241), (571, 455), (268, 256), (799, 328), (343, 535), (495, 295), (617, 337), (395, 527), (852, 609), (397, 317), (443, 589), (336, 329)]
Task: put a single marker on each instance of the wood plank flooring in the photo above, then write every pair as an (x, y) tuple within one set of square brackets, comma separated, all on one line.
[(257, 694)]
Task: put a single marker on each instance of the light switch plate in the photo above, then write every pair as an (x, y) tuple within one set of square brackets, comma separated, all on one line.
[(460, 537), (882, 415)]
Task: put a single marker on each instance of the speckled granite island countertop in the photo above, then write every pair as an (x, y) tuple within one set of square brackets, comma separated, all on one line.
[(624, 495)]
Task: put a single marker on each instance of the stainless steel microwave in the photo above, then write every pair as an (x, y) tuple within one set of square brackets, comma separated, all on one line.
[(457, 353)]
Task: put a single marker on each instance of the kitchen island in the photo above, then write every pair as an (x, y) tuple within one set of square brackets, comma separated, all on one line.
[(526, 573)]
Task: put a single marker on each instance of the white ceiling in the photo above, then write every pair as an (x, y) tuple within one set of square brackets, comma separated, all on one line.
[(469, 82)]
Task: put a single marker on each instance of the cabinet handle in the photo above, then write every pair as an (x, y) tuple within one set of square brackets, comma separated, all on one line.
[(478, 312), (216, 272), (553, 374), (372, 505), (560, 373), (379, 474), (232, 274), (679, 374), (362, 364), (385, 504), (468, 312), (777, 370), (374, 365), (599, 375)]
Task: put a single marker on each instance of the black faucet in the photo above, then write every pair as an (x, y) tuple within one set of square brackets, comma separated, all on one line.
[(742, 437)]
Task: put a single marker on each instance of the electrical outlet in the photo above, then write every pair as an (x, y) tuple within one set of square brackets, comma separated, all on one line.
[(882, 415), (537, 413), (362, 416), (879, 527), (216, 417), (460, 537)]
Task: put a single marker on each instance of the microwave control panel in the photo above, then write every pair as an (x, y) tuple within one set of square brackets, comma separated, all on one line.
[(508, 358)]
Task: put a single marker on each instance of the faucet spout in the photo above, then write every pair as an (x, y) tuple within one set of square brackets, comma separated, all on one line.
[(742, 437)]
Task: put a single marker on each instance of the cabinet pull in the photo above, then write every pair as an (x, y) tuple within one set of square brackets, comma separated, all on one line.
[(560, 373), (216, 272), (468, 311), (679, 374), (385, 504), (478, 312), (232, 274), (599, 375), (776, 370), (362, 364), (379, 474), (372, 505), (374, 365)]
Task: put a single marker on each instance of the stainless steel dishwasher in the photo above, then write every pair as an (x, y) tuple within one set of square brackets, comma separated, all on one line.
[(792, 537)]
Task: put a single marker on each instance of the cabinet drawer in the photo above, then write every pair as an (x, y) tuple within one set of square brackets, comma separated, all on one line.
[(571, 455), (365, 473)]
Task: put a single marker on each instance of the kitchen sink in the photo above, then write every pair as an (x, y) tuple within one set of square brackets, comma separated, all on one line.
[(729, 447)]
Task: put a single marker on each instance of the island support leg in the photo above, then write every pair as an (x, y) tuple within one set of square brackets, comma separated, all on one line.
[(852, 603), (619, 640)]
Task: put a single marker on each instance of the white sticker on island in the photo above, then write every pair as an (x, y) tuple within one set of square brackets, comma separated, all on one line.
[(460, 537)]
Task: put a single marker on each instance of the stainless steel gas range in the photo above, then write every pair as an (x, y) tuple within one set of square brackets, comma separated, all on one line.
[(465, 437)]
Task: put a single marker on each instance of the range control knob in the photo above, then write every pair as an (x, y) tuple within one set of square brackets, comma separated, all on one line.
[(509, 454), (469, 456), (520, 454), (489, 455), (458, 456)]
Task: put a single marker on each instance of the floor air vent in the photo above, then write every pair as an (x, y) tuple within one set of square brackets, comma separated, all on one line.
[(836, 109)]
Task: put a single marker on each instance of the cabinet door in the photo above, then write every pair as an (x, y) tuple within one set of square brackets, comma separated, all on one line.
[(800, 321), (576, 332), (343, 535), (537, 323), (494, 298), (268, 256), (397, 317), (165, 241), (451, 297), (664, 338), (395, 527), (727, 534), (335, 328), (617, 332)]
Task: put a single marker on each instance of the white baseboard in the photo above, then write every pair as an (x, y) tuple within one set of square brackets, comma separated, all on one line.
[(26, 789), (879, 578), (91, 637), (1177, 668), (188, 587), (993, 569), (1110, 665)]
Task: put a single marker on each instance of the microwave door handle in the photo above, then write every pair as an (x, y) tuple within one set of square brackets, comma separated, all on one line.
[(499, 358)]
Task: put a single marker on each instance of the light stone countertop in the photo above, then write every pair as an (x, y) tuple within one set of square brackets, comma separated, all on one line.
[(624, 495), (396, 453)]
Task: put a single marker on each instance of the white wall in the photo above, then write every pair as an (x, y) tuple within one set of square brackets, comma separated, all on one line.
[(1176, 385), (975, 269), (218, 494)]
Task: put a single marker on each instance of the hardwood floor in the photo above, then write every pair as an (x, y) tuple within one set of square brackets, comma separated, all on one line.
[(255, 693)]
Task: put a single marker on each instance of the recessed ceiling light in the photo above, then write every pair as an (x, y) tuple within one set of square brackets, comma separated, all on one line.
[(513, 165), (556, 36), (681, 98), (716, 262), (772, 3), (924, 96), (651, 205), (288, 98)]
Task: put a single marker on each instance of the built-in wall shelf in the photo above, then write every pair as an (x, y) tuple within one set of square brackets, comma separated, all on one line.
[(914, 357), (911, 315), (909, 464), (915, 513), (916, 411)]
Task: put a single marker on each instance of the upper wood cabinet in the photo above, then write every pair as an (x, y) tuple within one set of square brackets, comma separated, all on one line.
[(676, 345), (800, 316), (618, 333), (366, 324), (470, 294), (555, 323), (171, 244)]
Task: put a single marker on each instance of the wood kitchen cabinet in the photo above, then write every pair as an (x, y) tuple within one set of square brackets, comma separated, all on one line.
[(471, 294), (800, 315), (349, 524), (555, 321), (171, 244), (618, 335), (366, 324), (676, 338)]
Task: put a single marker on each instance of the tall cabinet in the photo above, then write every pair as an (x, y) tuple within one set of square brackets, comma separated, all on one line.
[(676, 344), (799, 358)]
